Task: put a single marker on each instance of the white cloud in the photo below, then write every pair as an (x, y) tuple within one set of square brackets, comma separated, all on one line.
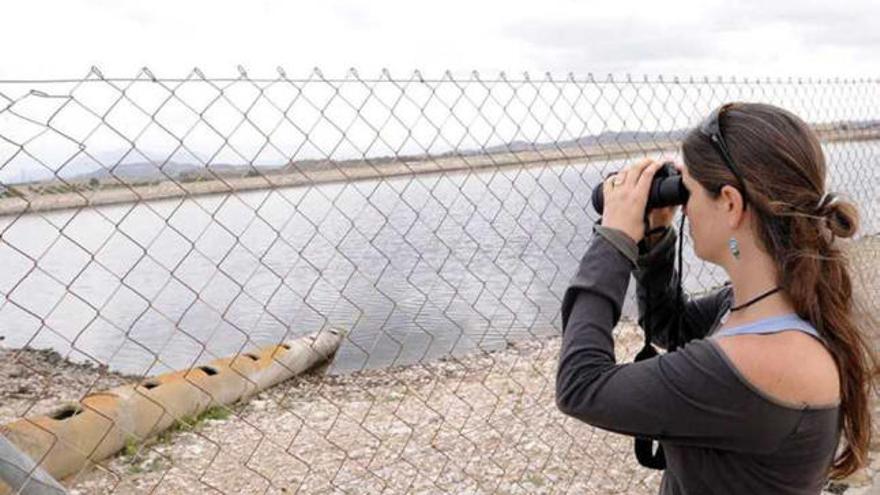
[(63, 38)]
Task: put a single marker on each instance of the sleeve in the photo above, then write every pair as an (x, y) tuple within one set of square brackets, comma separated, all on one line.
[(656, 273), (620, 240), (689, 396)]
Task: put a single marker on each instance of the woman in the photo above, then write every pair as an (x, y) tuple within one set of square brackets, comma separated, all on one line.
[(774, 369)]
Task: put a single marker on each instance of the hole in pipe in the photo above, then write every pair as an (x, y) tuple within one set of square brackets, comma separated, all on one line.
[(66, 412), (209, 370)]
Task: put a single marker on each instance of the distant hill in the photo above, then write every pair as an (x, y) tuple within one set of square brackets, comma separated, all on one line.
[(588, 141), (87, 169), (145, 171)]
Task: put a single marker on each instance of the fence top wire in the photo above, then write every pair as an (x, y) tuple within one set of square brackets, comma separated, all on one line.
[(145, 74)]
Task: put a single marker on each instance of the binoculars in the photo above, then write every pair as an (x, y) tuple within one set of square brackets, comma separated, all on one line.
[(667, 189)]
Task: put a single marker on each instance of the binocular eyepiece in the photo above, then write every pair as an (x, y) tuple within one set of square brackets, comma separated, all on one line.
[(667, 189)]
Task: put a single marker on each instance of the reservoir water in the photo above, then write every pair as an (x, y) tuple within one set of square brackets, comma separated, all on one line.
[(414, 268)]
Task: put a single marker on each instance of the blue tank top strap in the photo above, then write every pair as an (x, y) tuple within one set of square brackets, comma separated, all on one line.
[(772, 325)]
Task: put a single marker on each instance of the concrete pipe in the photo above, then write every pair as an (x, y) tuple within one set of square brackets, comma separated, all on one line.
[(64, 441)]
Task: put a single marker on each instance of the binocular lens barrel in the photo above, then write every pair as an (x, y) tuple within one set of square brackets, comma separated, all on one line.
[(667, 189)]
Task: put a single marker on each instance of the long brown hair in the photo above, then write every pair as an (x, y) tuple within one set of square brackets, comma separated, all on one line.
[(782, 163)]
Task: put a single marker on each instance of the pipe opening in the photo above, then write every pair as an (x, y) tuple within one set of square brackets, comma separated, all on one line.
[(66, 412), (209, 370), (150, 384), (252, 356), (286, 346)]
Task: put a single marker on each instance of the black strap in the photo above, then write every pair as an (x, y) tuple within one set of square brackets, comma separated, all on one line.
[(644, 447), (645, 453), (662, 228), (753, 301)]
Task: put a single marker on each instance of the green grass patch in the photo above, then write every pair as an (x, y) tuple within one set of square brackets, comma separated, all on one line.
[(131, 447), (536, 480), (189, 423), (216, 413)]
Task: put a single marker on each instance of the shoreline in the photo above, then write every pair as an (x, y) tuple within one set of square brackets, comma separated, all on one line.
[(25, 201), (311, 176)]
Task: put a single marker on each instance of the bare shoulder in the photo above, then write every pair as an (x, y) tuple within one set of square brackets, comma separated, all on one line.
[(790, 366)]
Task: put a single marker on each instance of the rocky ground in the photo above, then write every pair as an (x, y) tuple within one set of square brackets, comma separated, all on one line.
[(476, 425), (35, 382), (480, 424)]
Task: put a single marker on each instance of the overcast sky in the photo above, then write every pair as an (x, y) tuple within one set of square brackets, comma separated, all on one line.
[(63, 38)]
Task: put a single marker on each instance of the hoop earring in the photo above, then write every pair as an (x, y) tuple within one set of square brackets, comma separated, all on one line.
[(734, 247)]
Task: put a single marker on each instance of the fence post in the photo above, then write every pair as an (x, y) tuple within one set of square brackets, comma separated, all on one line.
[(23, 475)]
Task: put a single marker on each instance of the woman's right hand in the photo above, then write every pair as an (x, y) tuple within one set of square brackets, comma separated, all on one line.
[(659, 217), (662, 217)]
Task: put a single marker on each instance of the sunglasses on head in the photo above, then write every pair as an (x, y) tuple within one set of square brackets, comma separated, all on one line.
[(711, 128)]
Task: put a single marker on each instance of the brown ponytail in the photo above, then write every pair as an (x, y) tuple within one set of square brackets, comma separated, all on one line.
[(803, 228)]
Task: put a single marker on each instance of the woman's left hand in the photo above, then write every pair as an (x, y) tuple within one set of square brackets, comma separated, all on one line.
[(626, 196)]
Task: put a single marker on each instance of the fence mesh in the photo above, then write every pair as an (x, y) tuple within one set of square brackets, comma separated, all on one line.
[(149, 225)]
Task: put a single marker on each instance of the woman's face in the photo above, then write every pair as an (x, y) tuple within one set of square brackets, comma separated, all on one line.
[(706, 223)]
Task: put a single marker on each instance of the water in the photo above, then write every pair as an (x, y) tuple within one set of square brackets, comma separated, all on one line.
[(414, 267)]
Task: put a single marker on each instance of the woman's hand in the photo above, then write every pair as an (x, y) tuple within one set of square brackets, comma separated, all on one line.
[(662, 217), (626, 196)]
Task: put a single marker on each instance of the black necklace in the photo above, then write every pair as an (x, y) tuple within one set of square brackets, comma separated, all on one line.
[(753, 301)]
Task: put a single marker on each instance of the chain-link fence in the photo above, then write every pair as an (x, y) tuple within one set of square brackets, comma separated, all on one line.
[(149, 225)]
